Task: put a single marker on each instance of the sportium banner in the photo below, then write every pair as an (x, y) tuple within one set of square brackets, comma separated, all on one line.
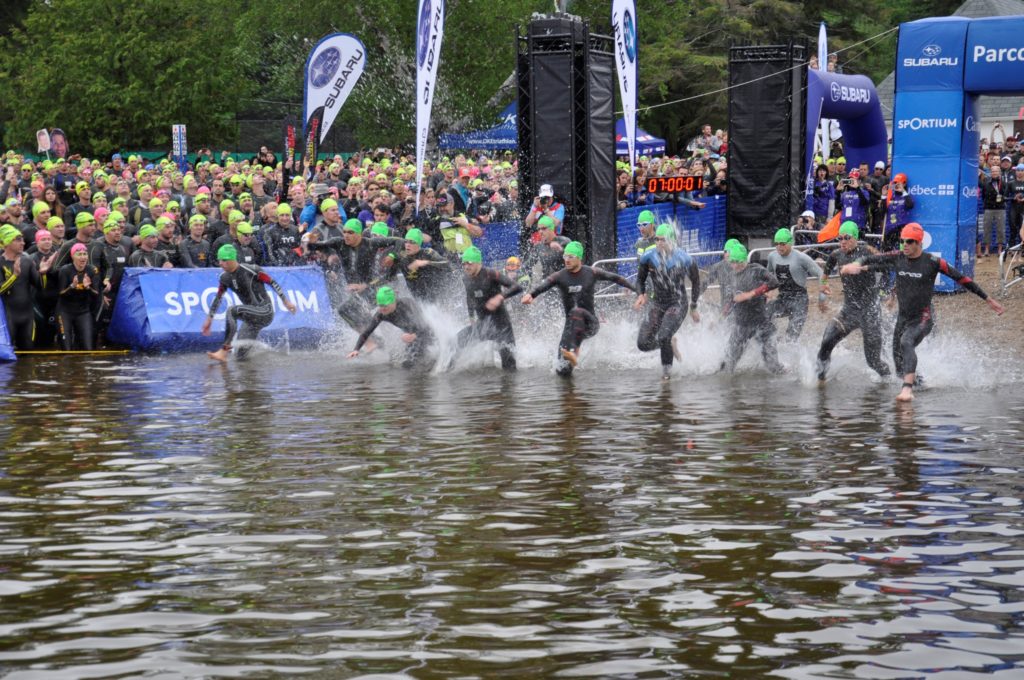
[(624, 26), (429, 31), (332, 70)]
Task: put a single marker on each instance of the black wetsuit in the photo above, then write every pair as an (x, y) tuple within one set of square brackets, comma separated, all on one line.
[(721, 273), (550, 260), (751, 317), (488, 325), (426, 283), (861, 310), (667, 304), (577, 290), (110, 261), (77, 305), (18, 293), (195, 253), (151, 258), (357, 263), (46, 303), (409, 319), (255, 309), (915, 285)]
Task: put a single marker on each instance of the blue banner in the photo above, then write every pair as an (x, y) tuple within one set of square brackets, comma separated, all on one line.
[(928, 123), (164, 309), (6, 348), (995, 55), (930, 55)]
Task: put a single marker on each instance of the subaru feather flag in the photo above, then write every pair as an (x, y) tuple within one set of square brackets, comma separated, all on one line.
[(626, 48), (332, 70), (429, 31)]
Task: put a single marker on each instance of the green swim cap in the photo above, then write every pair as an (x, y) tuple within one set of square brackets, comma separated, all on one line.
[(38, 207), (327, 204), (472, 254), (574, 248), (646, 217), (353, 225), (379, 229), (7, 235), (163, 221), (54, 222), (110, 225), (227, 252), (849, 228), (83, 219), (738, 253), (235, 216), (147, 230), (244, 228), (226, 204), (783, 236), (197, 219), (414, 235), (665, 231), (546, 223), (385, 296), (118, 201), (155, 203)]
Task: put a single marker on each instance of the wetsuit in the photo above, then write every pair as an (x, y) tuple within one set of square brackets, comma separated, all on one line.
[(577, 290), (751, 317), (110, 261), (721, 273), (151, 258), (409, 319), (792, 271), (488, 325), (667, 306), (550, 260), (357, 262), (77, 305), (46, 303), (18, 293), (195, 253), (255, 309), (915, 285), (861, 310), (643, 244), (170, 249), (426, 283)]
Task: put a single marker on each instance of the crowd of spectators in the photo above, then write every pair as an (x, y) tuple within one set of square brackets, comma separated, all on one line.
[(1000, 193)]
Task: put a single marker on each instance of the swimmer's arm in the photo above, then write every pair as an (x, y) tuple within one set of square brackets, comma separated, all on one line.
[(694, 282), (368, 331), (614, 278), (266, 279), (215, 305)]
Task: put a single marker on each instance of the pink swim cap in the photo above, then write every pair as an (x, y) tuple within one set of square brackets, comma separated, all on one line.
[(100, 214), (41, 234), (78, 248)]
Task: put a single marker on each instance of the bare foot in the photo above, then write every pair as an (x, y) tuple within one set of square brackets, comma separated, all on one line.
[(220, 355), (675, 350), (369, 346), (906, 394), (569, 356)]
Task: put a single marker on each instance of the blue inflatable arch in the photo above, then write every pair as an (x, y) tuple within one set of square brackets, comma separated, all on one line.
[(853, 101), (942, 65)]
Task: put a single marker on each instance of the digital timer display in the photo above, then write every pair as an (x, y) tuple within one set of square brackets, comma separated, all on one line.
[(674, 185)]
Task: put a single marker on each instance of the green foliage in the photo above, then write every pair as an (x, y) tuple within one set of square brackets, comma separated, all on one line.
[(117, 74)]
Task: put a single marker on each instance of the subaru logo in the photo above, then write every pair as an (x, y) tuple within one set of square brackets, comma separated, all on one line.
[(324, 66), (424, 36), (836, 92), (629, 32), (931, 50)]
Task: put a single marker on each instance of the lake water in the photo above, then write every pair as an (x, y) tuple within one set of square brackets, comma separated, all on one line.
[(163, 517)]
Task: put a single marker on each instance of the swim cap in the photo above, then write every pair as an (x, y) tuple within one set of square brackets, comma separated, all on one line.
[(79, 248), (913, 231), (83, 219), (171, 205), (472, 254), (574, 248), (226, 205), (546, 223), (353, 225), (512, 260), (147, 230), (283, 209), (235, 216), (730, 244), (200, 198), (227, 252), (849, 228), (163, 221), (43, 233), (244, 228), (783, 236), (109, 225), (38, 207), (380, 229), (646, 217), (665, 231), (197, 219), (327, 204), (54, 222), (154, 204), (118, 201), (414, 235), (385, 296), (738, 253), (7, 234)]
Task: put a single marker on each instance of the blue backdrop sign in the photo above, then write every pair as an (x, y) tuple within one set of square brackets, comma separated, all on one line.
[(164, 309)]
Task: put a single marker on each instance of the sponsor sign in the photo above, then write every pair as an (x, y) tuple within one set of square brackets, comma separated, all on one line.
[(332, 70), (626, 45), (429, 32), (930, 53), (994, 56), (927, 123)]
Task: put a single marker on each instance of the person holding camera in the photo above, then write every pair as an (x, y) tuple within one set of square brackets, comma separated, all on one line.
[(854, 200), (822, 195), (544, 205), (898, 205)]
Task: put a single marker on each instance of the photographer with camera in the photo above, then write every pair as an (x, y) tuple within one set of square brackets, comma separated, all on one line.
[(822, 195), (854, 200), (544, 205)]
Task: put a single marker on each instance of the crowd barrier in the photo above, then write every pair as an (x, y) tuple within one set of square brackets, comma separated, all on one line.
[(164, 309), (6, 348)]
